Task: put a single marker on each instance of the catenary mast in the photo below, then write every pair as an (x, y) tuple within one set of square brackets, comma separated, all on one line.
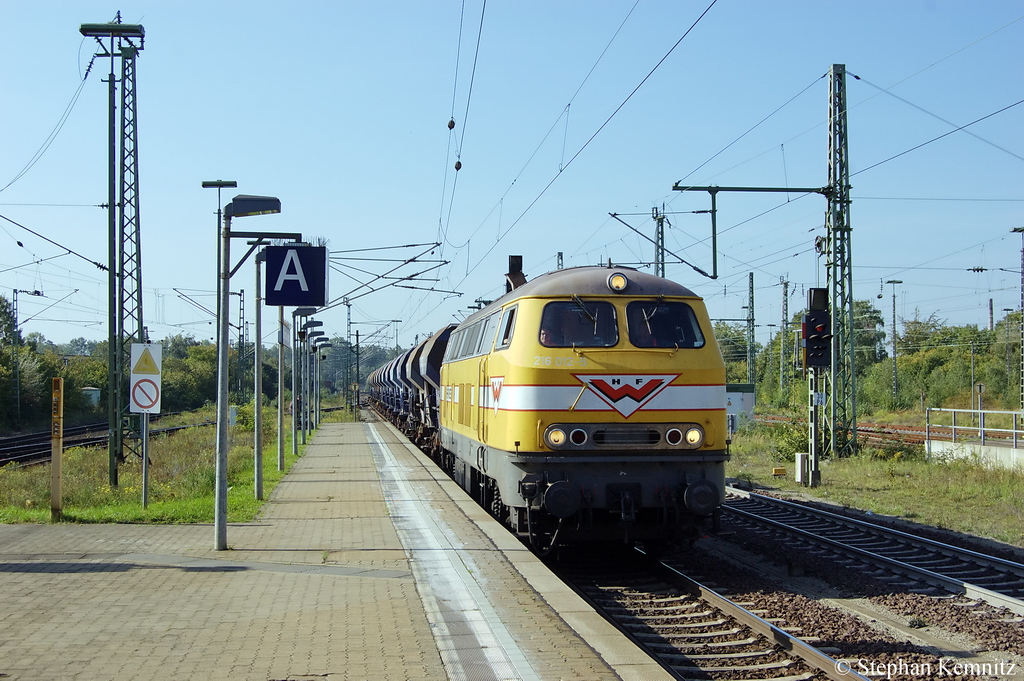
[(124, 315), (841, 408)]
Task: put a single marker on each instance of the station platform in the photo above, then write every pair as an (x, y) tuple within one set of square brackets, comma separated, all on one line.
[(366, 563)]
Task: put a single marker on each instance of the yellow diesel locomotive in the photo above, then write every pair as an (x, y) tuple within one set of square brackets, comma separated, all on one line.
[(588, 403)]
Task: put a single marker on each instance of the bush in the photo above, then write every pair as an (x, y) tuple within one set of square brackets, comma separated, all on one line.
[(789, 438), (895, 451)]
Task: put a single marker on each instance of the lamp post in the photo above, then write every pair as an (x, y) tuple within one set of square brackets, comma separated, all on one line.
[(322, 346), (895, 382), (257, 397), (296, 367), (305, 335), (320, 343), (310, 391), (241, 206), (314, 380), (1020, 230), (1006, 323)]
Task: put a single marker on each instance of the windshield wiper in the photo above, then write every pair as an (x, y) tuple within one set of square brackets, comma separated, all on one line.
[(586, 310)]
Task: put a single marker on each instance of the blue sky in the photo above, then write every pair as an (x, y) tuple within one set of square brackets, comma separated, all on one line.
[(340, 109)]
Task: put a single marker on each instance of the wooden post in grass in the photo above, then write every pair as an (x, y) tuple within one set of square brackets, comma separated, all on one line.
[(56, 449)]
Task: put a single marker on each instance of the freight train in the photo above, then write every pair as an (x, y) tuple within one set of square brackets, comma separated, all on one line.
[(585, 404)]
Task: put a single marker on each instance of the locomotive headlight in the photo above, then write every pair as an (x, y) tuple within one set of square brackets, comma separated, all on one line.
[(618, 282), (556, 436), (694, 436)]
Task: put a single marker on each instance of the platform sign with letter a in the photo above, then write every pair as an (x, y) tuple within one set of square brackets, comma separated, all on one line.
[(296, 276), (144, 392)]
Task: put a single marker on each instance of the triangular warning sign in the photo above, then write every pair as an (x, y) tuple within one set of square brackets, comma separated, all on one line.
[(146, 365)]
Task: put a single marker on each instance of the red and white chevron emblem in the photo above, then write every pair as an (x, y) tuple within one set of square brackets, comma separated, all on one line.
[(627, 393), (496, 383)]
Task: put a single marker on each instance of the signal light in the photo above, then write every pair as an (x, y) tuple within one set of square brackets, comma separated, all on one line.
[(817, 336)]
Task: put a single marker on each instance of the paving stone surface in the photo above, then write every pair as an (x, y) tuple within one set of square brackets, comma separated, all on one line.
[(320, 586)]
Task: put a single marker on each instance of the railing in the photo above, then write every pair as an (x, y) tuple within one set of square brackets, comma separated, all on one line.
[(979, 429)]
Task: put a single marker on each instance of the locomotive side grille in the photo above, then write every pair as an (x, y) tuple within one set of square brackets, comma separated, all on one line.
[(465, 406), (626, 436)]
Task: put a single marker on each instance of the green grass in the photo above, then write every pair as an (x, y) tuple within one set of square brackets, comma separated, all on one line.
[(181, 479), (958, 495)]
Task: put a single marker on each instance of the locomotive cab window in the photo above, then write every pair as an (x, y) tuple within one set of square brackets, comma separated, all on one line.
[(453, 346), (578, 323), (470, 342), (487, 334), (663, 324), (505, 328)]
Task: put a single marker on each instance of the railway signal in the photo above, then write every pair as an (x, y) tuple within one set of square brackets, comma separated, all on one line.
[(817, 337), (816, 332)]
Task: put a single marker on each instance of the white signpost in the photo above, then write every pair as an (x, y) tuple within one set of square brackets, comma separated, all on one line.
[(144, 396)]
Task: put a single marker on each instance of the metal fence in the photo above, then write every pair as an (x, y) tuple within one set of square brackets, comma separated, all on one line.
[(977, 428)]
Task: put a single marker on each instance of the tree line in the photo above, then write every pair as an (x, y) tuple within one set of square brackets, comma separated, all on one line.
[(937, 364), (189, 374)]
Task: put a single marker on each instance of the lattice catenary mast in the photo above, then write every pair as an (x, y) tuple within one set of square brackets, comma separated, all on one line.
[(840, 418), (124, 313), (840, 426)]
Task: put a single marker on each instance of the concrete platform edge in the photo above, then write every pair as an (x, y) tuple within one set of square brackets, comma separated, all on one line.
[(628, 660)]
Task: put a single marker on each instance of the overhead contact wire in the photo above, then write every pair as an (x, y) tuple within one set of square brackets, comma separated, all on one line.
[(596, 133), (752, 128), (56, 130), (565, 113), (937, 117), (79, 255), (465, 118), (936, 139), (472, 79)]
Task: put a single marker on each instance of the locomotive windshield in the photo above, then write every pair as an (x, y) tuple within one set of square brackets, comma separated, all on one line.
[(662, 324), (578, 324)]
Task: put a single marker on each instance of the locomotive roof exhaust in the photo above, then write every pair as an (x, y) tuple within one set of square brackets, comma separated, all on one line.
[(515, 277)]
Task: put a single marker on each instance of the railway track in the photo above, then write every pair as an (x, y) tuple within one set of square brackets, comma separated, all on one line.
[(953, 569), (34, 448), (881, 433), (690, 629), (769, 632)]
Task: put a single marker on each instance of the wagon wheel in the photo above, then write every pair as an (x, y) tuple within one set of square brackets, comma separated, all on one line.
[(497, 509)]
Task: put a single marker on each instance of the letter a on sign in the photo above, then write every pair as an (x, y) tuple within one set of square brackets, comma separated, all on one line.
[(291, 270), (296, 276)]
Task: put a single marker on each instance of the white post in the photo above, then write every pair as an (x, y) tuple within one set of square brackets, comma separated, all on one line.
[(295, 389), (257, 398), (145, 460), (280, 389)]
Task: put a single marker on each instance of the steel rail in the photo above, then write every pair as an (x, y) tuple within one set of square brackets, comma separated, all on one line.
[(945, 549), (794, 645), (950, 584)]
